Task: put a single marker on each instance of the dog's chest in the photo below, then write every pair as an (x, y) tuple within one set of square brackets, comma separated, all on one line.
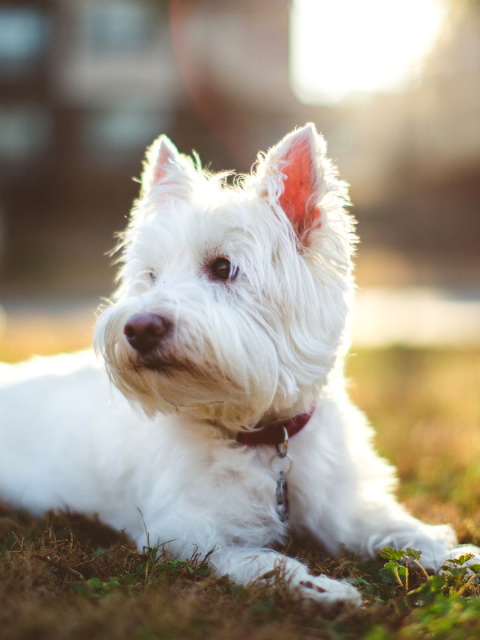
[(232, 489), (245, 493)]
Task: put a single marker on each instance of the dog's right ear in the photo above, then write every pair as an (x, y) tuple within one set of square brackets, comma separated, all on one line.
[(292, 178), (163, 162)]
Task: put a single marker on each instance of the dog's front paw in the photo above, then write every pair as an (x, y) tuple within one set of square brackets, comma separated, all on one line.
[(461, 552), (327, 592)]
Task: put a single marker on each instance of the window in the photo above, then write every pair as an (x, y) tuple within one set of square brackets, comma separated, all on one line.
[(25, 132), (122, 130), (120, 27), (25, 34)]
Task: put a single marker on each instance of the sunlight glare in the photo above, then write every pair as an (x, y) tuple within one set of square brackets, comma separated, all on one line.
[(340, 47)]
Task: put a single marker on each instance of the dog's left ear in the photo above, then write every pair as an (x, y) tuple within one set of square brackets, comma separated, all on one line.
[(294, 177), (162, 162)]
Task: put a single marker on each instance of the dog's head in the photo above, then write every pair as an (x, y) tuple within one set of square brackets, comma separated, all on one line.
[(233, 299)]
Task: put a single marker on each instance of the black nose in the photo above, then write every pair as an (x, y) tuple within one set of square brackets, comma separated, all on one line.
[(145, 331)]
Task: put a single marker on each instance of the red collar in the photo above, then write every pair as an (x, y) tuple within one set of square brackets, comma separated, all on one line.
[(272, 432)]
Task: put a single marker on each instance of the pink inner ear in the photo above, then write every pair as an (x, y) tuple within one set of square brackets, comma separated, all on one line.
[(299, 186), (164, 157)]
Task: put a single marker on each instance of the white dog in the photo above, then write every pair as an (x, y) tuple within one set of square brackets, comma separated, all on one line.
[(226, 339)]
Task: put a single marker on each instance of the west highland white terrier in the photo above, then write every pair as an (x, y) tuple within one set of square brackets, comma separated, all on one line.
[(228, 425)]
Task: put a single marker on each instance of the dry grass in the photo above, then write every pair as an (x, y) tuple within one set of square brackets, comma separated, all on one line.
[(425, 405), (35, 333), (66, 577)]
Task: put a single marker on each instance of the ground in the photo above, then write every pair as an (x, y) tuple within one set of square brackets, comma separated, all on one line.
[(66, 577)]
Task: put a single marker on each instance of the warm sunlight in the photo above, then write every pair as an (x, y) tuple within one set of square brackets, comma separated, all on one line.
[(345, 46)]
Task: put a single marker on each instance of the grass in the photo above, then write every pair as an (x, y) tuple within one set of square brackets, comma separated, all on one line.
[(425, 404), (64, 576)]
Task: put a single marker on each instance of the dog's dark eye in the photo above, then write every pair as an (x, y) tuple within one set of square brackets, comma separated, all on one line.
[(223, 269), (153, 276)]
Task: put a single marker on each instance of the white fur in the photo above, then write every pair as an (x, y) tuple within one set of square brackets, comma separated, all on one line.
[(155, 453)]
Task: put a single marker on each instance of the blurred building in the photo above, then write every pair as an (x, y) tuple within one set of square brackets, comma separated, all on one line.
[(79, 103), (85, 85)]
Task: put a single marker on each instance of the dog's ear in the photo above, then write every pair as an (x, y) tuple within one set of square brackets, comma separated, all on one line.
[(296, 172), (162, 161)]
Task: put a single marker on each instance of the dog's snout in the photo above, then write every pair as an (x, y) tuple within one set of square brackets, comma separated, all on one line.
[(145, 331)]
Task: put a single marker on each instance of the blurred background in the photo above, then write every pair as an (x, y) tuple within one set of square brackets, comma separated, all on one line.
[(393, 85)]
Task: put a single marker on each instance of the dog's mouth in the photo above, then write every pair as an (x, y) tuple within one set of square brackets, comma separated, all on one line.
[(161, 366), (158, 364)]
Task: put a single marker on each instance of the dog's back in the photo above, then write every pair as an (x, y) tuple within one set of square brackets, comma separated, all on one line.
[(47, 409)]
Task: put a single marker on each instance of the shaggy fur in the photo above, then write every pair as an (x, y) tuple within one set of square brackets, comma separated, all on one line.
[(155, 453)]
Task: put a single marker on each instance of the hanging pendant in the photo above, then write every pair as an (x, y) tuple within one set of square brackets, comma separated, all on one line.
[(282, 497), (281, 490)]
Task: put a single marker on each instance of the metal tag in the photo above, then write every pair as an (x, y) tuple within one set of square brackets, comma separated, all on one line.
[(282, 497)]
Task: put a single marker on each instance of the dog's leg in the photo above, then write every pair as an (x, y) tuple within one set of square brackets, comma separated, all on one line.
[(365, 521), (245, 565), (397, 529), (346, 499), (365, 525)]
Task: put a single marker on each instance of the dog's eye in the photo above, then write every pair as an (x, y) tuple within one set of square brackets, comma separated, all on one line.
[(153, 276), (223, 269)]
